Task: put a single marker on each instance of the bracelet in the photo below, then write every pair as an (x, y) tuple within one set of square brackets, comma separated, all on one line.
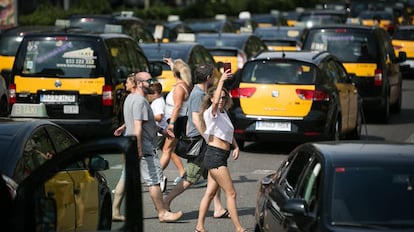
[(171, 123)]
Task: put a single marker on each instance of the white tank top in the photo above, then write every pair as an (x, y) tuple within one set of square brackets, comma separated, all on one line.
[(169, 104)]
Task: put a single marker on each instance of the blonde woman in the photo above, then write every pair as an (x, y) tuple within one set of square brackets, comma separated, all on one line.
[(175, 107), (219, 136)]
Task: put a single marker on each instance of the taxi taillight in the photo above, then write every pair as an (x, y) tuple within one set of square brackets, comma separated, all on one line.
[(242, 92), (378, 77), (107, 95), (315, 95), (12, 93)]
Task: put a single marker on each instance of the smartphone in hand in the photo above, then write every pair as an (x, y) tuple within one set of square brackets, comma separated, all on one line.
[(226, 66)]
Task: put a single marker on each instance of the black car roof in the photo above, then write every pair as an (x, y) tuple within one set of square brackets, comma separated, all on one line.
[(80, 34), (306, 56), (351, 26), (239, 39), (365, 152), (151, 48)]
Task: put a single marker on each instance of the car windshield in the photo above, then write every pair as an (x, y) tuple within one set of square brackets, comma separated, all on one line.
[(373, 196), (348, 45), (62, 58), (277, 72)]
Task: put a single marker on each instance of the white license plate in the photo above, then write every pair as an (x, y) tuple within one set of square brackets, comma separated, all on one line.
[(46, 98), (71, 109), (275, 126)]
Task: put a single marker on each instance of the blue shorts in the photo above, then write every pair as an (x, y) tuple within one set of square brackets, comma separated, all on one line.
[(215, 157), (151, 171)]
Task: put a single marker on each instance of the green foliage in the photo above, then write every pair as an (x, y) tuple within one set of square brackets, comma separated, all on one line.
[(46, 14)]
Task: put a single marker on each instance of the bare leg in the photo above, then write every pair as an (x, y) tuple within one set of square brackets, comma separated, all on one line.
[(176, 191), (163, 214), (218, 206), (223, 179), (178, 163), (118, 197), (205, 202)]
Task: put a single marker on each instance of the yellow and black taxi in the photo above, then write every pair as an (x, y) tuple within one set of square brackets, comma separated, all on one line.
[(127, 24), (281, 38), (368, 53), (339, 186), (191, 53), (56, 183), (80, 78), (403, 40), (231, 47), (295, 96)]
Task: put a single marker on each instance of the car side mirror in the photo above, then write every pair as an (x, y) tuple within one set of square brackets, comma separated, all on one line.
[(298, 209), (402, 56), (97, 163)]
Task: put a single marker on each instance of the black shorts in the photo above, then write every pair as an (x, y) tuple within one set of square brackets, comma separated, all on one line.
[(215, 157)]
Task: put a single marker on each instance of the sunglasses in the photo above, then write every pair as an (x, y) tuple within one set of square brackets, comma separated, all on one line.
[(149, 81)]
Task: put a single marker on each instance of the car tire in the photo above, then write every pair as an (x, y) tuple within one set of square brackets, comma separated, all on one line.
[(355, 134), (396, 107), (105, 215), (336, 131), (384, 112)]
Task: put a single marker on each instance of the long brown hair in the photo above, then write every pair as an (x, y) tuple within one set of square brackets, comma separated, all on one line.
[(206, 103)]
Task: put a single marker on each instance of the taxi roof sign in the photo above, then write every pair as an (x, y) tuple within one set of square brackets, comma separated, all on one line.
[(27, 110)]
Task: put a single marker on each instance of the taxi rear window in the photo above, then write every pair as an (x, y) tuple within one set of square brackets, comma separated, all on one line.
[(347, 45), (276, 72), (404, 35), (9, 45), (61, 58)]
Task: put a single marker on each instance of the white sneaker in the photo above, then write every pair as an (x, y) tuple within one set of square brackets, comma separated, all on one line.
[(163, 184), (178, 180)]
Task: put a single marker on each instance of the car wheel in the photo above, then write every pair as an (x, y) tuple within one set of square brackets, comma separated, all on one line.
[(4, 107), (356, 132), (384, 113), (396, 107), (105, 215), (336, 130)]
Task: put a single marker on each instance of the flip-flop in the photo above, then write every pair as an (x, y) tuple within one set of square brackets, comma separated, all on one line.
[(226, 214)]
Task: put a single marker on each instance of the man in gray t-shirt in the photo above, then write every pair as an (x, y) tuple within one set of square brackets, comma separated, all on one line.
[(140, 122)]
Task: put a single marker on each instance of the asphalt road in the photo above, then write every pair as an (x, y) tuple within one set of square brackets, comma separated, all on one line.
[(255, 162)]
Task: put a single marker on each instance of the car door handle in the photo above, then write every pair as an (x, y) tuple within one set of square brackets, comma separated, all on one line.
[(76, 191)]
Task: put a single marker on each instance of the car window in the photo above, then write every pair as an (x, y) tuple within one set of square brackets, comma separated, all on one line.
[(295, 171), (61, 140), (272, 72), (9, 45), (61, 57), (123, 58), (347, 45), (404, 35), (359, 194), (310, 186), (37, 150)]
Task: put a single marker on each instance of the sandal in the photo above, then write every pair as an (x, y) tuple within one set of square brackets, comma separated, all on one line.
[(226, 214), (195, 230)]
